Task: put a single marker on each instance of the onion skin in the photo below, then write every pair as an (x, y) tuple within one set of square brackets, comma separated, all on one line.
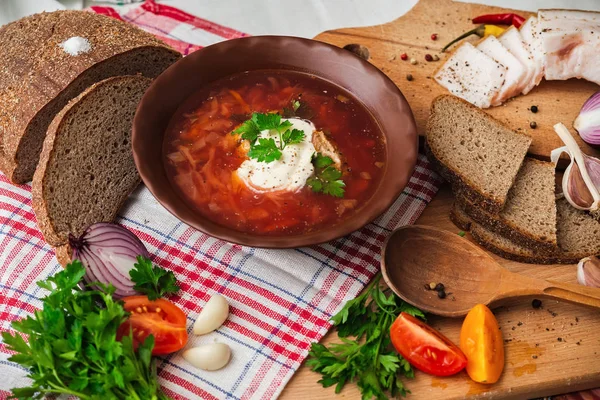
[(108, 251), (588, 121)]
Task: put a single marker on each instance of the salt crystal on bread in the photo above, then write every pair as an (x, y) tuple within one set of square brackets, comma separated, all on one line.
[(76, 45)]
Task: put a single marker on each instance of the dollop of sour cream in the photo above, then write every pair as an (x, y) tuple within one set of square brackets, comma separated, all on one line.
[(291, 171)]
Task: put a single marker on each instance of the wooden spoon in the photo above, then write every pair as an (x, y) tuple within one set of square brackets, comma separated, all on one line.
[(414, 256)]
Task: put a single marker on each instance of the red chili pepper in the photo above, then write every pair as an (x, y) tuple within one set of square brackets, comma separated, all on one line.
[(500, 19)]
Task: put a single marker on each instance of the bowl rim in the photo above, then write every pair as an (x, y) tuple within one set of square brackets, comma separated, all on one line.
[(357, 221)]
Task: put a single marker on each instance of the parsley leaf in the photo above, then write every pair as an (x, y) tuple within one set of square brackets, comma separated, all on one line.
[(368, 359), (151, 280), (72, 345), (293, 136), (327, 177), (266, 121), (249, 131), (267, 150)]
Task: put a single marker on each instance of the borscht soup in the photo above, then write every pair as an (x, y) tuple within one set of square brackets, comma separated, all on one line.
[(274, 153)]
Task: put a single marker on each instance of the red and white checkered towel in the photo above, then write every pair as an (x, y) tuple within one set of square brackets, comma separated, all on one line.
[(281, 300)]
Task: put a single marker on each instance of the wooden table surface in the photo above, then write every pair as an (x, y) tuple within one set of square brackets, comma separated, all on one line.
[(549, 351)]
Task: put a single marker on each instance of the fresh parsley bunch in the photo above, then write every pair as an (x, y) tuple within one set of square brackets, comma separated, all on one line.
[(265, 149), (368, 358), (73, 348)]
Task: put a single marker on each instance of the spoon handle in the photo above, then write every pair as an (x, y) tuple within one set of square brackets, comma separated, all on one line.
[(573, 293)]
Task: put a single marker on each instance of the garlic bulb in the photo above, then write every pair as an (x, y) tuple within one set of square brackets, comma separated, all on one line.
[(588, 272), (581, 181)]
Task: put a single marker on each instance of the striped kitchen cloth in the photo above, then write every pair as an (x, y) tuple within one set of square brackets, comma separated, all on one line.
[(281, 300)]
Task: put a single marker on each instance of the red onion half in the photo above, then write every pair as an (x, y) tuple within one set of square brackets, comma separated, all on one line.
[(588, 121), (108, 252)]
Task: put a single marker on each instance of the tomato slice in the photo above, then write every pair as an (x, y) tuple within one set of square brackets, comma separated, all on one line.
[(425, 348), (160, 318), (481, 341)]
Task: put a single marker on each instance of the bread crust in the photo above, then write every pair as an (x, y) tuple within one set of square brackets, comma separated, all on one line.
[(459, 218), (39, 77), (478, 232), (39, 195), (63, 254)]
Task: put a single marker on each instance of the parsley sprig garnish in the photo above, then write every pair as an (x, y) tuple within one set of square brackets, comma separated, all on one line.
[(266, 149), (72, 345), (327, 177), (153, 281), (368, 358)]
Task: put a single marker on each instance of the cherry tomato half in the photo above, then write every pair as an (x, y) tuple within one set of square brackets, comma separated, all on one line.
[(425, 348), (160, 318), (481, 341)]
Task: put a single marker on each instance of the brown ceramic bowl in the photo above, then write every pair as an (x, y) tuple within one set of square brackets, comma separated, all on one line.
[(368, 84)]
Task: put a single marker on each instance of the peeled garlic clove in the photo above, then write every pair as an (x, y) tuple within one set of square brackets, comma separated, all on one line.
[(588, 272), (212, 316), (209, 357), (581, 181)]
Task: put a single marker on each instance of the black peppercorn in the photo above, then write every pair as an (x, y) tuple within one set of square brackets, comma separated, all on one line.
[(439, 286), (532, 125), (442, 294), (409, 77), (358, 49), (536, 303), (428, 57), (534, 109)]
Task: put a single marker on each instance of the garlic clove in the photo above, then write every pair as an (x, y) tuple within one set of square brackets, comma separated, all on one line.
[(581, 181), (588, 272), (577, 191), (209, 357), (212, 316)]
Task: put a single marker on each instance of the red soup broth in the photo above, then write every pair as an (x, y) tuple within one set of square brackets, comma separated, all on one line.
[(202, 156)]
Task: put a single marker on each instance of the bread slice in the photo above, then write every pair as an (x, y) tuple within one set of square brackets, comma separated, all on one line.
[(86, 168), (578, 237), (529, 215), (476, 153), (38, 77)]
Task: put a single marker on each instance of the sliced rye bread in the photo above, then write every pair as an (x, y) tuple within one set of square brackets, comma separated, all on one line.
[(529, 214), (578, 237), (38, 77), (477, 154), (86, 168)]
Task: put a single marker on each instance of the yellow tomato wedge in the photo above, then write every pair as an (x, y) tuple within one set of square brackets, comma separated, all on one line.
[(481, 341)]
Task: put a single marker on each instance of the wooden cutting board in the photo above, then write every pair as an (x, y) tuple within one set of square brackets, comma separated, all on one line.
[(548, 351), (557, 101)]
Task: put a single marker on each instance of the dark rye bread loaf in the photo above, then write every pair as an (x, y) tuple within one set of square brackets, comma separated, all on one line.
[(477, 154), (38, 77), (578, 236), (529, 214), (86, 168)]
